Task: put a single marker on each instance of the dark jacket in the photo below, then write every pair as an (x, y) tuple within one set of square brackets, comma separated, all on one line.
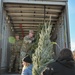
[(61, 67)]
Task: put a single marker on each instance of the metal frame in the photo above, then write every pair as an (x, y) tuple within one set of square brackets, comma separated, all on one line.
[(1, 10), (67, 25), (36, 2)]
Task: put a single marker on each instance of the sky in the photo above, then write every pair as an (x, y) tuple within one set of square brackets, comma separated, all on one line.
[(71, 9)]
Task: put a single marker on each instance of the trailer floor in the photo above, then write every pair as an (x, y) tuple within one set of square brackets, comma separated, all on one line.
[(12, 73)]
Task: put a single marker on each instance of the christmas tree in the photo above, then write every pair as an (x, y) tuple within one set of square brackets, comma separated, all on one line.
[(35, 44), (43, 53)]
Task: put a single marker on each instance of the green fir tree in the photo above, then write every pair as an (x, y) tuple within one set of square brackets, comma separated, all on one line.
[(43, 53), (35, 44)]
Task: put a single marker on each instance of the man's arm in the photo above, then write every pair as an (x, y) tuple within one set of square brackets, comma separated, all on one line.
[(48, 70)]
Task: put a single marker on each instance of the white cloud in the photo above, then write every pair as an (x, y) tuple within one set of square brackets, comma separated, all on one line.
[(73, 45)]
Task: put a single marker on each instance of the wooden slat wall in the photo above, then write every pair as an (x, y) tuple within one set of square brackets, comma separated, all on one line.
[(31, 16)]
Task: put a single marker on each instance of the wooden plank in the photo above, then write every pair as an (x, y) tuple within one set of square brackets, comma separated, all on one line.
[(34, 23), (30, 14), (33, 16), (25, 29), (39, 17), (36, 18), (32, 6), (27, 22), (32, 9), (31, 19), (22, 5), (26, 25), (25, 11)]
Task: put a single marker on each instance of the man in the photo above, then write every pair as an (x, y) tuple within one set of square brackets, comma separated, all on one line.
[(27, 44), (15, 54), (64, 65)]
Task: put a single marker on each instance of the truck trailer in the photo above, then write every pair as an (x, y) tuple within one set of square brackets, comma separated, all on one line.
[(19, 16)]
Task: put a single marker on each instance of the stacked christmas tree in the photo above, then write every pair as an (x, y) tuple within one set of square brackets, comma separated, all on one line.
[(43, 53), (35, 44)]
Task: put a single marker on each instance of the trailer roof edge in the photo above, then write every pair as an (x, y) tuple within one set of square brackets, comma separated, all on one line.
[(36, 2)]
